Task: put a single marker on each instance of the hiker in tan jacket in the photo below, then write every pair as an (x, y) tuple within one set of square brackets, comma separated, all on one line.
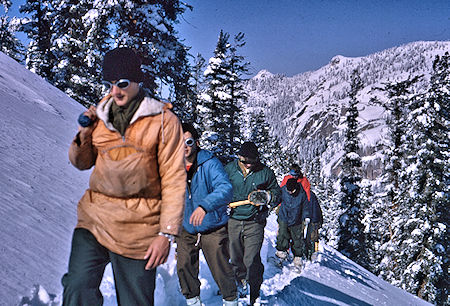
[(135, 201)]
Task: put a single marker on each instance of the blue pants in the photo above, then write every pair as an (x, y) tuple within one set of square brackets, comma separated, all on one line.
[(88, 259)]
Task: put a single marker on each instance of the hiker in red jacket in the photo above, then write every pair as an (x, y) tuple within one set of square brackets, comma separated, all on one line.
[(296, 173)]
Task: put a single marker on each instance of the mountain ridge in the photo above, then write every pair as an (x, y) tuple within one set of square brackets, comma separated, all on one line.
[(307, 111)]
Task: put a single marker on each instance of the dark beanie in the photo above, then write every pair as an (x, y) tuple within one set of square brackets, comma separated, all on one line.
[(249, 149), (122, 63), (292, 184)]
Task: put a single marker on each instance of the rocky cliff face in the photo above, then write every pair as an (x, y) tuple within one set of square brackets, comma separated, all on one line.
[(307, 111)]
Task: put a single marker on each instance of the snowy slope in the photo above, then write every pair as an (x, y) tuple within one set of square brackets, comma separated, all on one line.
[(40, 190)]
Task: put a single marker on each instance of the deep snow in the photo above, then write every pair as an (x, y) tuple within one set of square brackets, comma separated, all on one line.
[(39, 194)]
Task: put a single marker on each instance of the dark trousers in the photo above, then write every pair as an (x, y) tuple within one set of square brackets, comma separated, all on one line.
[(215, 249), (88, 259), (246, 239), (290, 237)]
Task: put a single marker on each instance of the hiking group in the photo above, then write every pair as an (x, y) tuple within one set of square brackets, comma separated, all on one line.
[(152, 185)]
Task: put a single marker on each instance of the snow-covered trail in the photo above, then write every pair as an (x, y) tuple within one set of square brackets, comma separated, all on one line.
[(40, 190)]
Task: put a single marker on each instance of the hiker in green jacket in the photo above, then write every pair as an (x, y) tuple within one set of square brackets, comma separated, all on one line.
[(247, 222)]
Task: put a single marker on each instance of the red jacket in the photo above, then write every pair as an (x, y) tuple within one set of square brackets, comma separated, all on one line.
[(304, 181)]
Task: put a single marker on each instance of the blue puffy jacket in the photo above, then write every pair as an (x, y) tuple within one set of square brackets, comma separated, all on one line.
[(211, 189)]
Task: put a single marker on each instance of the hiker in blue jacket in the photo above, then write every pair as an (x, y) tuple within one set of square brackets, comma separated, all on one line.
[(312, 220), (208, 193), (290, 228)]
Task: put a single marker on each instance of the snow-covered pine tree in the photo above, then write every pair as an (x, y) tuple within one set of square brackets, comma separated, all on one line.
[(239, 68), (220, 102), (351, 230), (184, 93), (332, 210), (396, 107), (423, 241), (38, 27), (9, 43), (79, 40), (217, 74), (148, 27), (198, 85), (396, 180), (271, 152)]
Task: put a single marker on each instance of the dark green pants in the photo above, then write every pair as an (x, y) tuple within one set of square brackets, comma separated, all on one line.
[(88, 259), (290, 237), (246, 239), (215, 249)]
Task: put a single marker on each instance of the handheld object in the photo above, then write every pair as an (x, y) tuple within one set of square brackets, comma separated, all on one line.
[(257, 198), (84, 120), (305, 231)]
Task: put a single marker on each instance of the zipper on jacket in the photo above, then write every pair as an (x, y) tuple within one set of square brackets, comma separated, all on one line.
[(189, 191)]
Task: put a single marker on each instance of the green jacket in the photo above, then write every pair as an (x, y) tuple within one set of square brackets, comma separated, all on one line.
[(261, 176)]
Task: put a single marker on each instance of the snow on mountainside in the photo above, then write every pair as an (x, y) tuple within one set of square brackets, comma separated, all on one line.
[(308, 110), (40, 191)]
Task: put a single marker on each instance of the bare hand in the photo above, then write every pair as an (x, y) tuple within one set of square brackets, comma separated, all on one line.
[(92, 114), (197, 216), (157, 252)]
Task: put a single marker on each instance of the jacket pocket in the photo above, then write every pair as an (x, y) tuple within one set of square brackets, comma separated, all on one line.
[(125, 172)]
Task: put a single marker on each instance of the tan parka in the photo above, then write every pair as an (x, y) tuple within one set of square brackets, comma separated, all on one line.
[(137, 186)]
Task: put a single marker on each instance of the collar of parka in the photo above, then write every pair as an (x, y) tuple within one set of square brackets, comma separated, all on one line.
[(149, 107)]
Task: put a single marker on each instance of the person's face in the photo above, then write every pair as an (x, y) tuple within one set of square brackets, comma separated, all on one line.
[(122, 94), (190, 147), (292, 192), (247, 162)]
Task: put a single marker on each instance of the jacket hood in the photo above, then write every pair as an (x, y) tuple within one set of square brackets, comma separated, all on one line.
[(203, 156), (148, 107)]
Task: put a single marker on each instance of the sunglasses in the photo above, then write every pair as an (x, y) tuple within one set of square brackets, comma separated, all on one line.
[(122, 84), (189, 142), (247, 161)]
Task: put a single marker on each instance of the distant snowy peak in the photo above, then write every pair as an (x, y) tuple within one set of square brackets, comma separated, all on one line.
[(308, 110), (263, 74)]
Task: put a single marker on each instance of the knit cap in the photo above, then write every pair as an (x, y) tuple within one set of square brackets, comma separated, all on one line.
[(122, 63), (249, 149), (292, 185)]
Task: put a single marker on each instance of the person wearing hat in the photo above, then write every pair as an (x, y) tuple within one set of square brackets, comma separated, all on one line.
[(135, 201), (290, 230), (247, 222), (208, 192), (296, 172)]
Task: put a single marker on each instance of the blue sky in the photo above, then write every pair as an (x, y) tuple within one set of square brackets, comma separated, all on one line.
[(294, 36)]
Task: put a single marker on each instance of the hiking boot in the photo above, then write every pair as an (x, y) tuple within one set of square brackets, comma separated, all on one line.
[(195, 301), (281, 254), (230, 303), (256, 302), (242, 288), (298, 262)]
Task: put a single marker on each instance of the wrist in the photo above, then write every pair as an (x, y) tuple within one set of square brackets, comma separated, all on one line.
[(170, 237)]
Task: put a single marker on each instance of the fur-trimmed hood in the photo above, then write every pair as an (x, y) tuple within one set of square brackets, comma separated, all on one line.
[(148, 107)]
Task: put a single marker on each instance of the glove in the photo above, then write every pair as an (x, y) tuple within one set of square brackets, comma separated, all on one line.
[(263, 186)]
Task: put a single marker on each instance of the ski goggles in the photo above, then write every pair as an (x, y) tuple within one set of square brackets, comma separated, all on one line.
[(122, 84), (293, 173), (189, 142), (247, 161)]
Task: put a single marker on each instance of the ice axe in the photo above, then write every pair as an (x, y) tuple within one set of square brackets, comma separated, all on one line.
[(257, 198), (305, 230)]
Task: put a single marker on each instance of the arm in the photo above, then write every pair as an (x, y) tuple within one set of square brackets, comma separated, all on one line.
[(82, 153), (274, 189), (222, 191), (173, 185)]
